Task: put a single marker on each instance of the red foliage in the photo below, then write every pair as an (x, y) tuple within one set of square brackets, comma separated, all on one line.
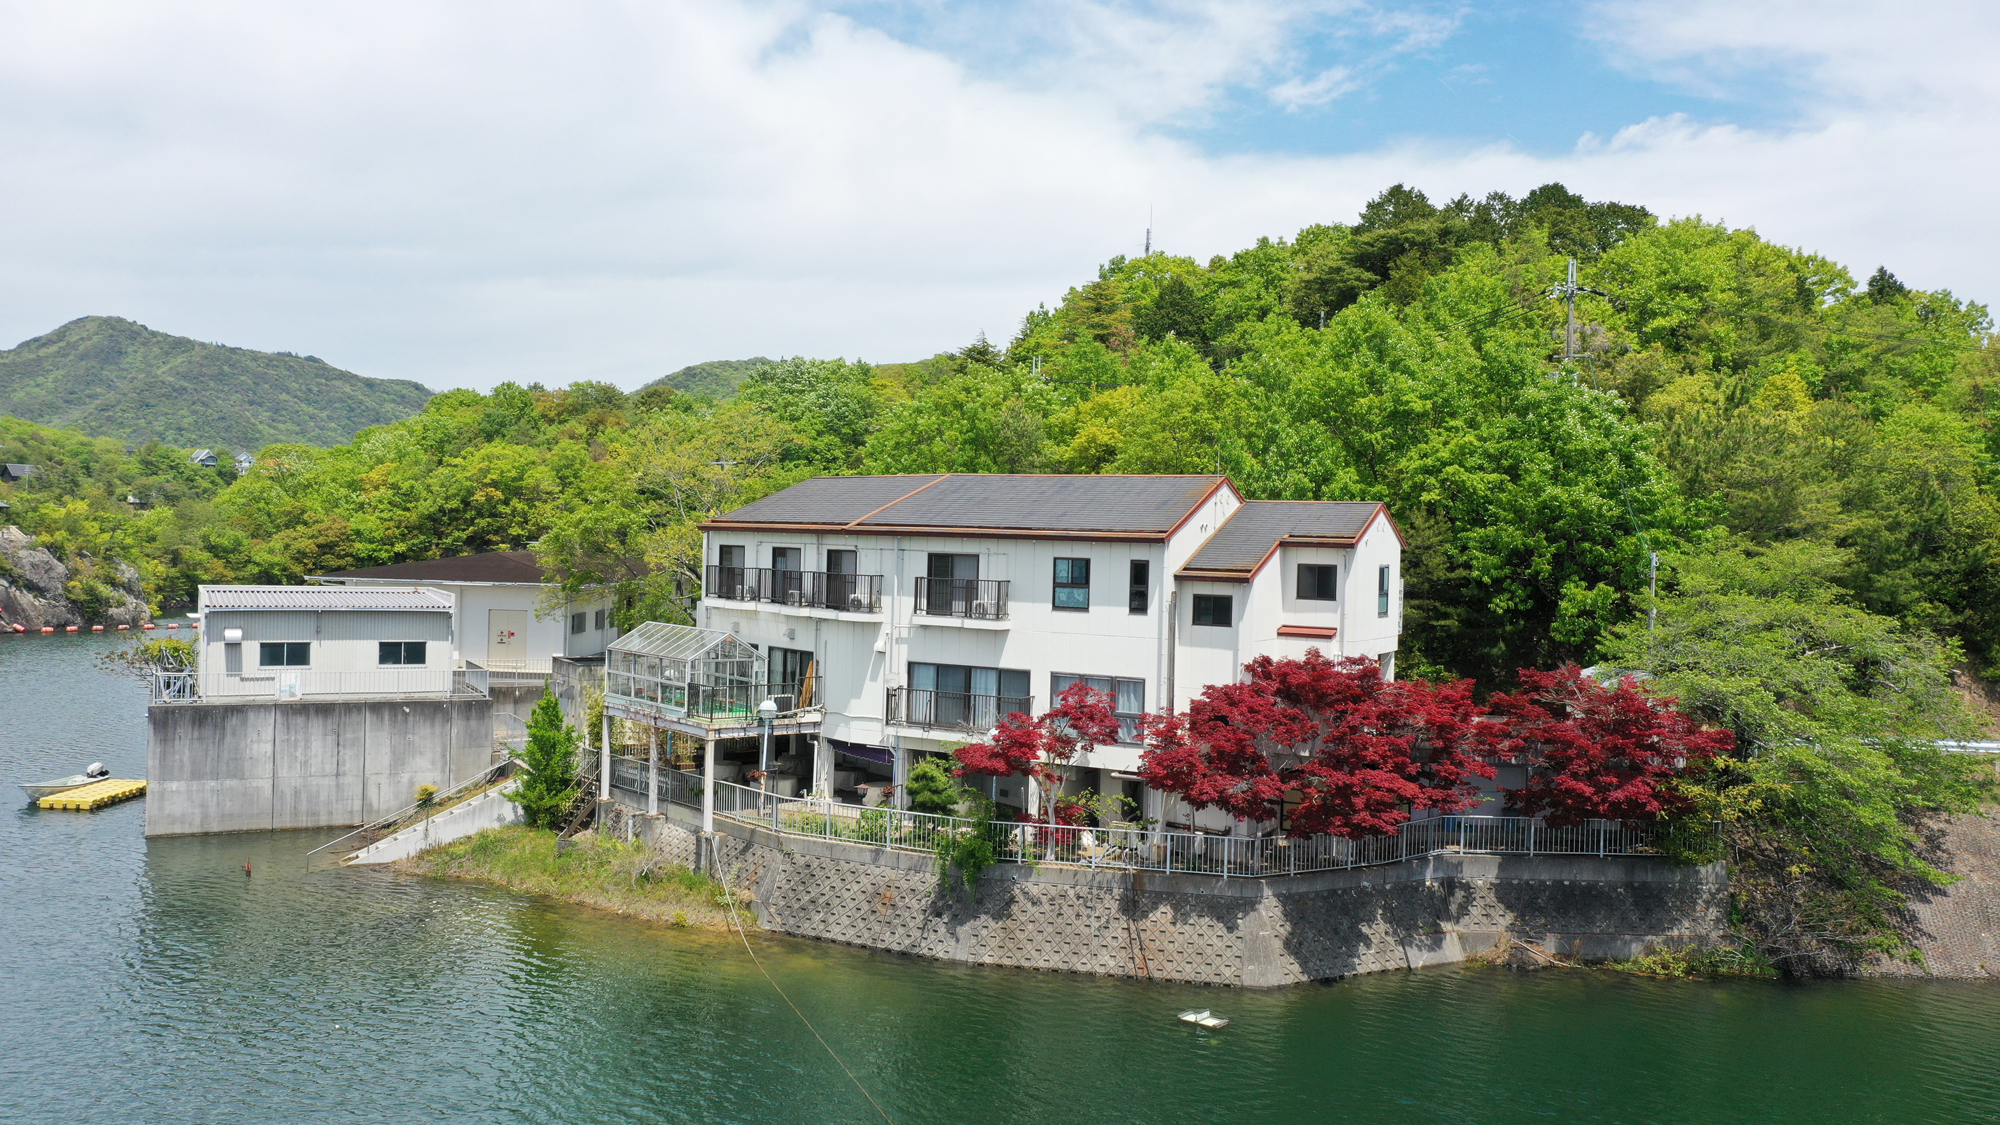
[(1600, 751), (1038, 748), (1361, 753)]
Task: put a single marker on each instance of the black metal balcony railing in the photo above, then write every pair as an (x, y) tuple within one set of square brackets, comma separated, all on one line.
[(962, 597), (956, 710), (818, 589)]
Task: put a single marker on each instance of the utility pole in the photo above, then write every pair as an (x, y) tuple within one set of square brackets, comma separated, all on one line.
[(1149, 230), (1566, 291), (1653, 589)]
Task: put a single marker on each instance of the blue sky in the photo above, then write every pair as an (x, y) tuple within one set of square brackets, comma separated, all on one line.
[(612, 189), (1535, 76)]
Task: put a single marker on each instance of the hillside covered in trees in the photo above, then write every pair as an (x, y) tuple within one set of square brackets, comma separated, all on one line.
[(107, 376), (1721, 390)]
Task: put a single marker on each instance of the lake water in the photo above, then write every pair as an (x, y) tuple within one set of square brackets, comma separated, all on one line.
[(156, 982)]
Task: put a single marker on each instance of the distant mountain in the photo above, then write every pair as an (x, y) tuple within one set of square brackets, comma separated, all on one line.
[(106, 375), (718, 378)]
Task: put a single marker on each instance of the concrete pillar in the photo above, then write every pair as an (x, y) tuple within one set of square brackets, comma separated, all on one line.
[(604, 761), (823, 766), (652, 770), (708, 786)]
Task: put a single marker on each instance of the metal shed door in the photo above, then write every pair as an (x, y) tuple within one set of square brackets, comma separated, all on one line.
[(506, 638)]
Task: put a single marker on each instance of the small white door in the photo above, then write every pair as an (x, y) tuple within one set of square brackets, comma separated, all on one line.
[(506, 638)]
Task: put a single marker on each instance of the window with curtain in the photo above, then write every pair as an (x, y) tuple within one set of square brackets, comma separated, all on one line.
[(1072, 584), (962, 696), (1128, 698)]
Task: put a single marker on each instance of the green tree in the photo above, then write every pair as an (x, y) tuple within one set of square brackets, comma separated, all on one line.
[(549, 787), (1837, 776), (932, 789)]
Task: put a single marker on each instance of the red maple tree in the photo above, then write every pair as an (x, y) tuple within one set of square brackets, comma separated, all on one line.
[(1039, 748), (1361, 753), (1598, 751)]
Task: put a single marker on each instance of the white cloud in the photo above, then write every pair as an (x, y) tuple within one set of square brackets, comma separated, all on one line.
[(615, 189)]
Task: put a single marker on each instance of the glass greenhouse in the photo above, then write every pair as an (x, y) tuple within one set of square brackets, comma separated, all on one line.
[(700, 673)]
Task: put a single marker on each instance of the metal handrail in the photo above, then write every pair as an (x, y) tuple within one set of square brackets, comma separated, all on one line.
[(302, 684), (817, 589), (403, 818), (962, 597), (1124, 847), (954, 710)]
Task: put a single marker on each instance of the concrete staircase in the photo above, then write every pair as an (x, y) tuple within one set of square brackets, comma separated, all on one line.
[(490, 809)]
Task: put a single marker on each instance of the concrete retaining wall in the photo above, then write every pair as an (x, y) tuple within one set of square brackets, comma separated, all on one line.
[(234, 767), (1251, 932), (490, 809)]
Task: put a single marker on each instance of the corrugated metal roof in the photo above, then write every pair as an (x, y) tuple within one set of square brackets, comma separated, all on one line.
[(325, 597), (985, 502), (510, 567), (1253, 529)]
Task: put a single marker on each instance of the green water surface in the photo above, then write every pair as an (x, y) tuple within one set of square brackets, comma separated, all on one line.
[(156, 982)]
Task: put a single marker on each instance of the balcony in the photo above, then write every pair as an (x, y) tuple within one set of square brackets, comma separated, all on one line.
[(954, 710), (809, 589), (974, 598)]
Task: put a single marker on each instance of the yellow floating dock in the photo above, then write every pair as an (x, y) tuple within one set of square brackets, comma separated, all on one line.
[(96, 795)]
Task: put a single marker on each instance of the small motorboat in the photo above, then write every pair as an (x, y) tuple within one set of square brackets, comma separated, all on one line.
[(92, 773), (1203, 1018)]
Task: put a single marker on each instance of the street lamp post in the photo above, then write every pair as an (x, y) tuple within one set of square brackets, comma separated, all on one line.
[(768, 712)]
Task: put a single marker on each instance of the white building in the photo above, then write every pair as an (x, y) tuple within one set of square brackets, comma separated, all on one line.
[(298, 642), (925, 608), (503, 616)]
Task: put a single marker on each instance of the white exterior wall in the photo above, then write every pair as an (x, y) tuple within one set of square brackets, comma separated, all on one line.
[(546, 637), (861, 656), (1367, 633), (342, 640), (345, 655)]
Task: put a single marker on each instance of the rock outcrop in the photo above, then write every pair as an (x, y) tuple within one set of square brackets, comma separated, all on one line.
[(34, 589)]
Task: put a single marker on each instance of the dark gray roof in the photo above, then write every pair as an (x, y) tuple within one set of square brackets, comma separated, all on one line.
[(1247, 536), (497, 567), (828, 500), (1122, 505)]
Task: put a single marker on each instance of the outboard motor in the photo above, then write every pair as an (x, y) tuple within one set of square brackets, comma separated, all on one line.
[(96, 769)]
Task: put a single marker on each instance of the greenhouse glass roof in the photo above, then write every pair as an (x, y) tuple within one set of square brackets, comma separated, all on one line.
[(684, 643)]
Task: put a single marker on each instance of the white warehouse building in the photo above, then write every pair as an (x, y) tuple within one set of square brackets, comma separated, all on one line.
[(924, 608), (506, 616)]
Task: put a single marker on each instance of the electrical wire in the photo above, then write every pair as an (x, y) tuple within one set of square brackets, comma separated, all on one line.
[(731, 899)]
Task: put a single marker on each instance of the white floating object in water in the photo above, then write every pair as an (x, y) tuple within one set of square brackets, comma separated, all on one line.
[(1204, 1018)]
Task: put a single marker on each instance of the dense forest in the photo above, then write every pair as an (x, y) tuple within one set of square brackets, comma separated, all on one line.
[(1811, 459)]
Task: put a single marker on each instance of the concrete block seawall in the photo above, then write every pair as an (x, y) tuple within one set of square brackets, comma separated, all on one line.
[(1205, 929), (234, 767)]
